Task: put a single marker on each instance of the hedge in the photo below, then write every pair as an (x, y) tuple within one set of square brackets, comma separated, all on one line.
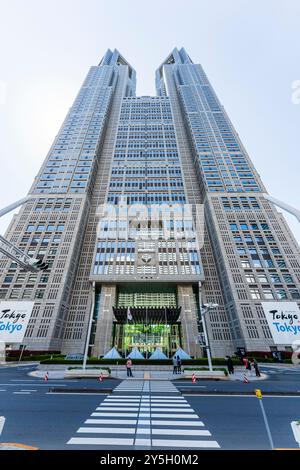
[(202, 361)]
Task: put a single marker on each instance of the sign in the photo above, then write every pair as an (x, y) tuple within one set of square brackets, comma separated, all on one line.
[(74, 357), (284, 321), (14, 318)]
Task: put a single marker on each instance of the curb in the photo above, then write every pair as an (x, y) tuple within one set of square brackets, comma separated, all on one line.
[(191, 391)]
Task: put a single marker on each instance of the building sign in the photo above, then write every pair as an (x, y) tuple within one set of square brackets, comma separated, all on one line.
[(284, 321), (14, 318)]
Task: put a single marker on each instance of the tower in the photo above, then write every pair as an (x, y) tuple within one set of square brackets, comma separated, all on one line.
[(116, 155)]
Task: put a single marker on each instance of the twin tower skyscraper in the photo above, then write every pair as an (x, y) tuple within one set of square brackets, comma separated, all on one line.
[(141, 288)]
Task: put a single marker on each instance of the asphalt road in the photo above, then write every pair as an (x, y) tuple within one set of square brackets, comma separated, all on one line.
[(45, 420)]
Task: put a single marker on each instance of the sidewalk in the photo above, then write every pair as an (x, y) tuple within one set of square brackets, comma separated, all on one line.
[(240, 372)]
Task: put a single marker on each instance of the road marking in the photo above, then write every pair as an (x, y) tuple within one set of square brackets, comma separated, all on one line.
[(35, 384), (28, 390), (107, 430), (128, 415), (117, 400), (111, 421), (22, 393), (157, 422), (72, 393), (184, 444), (116, 408), (143, 431), (172, 405), (143, 442), (181, 432), (241, 396), (96, 441), (171, 410), (2, 389), (162, 415)]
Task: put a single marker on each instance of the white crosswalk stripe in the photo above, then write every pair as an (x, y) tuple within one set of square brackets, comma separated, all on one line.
[(144, 419)]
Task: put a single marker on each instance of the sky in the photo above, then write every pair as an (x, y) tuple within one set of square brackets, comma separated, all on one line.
[(249, 50)]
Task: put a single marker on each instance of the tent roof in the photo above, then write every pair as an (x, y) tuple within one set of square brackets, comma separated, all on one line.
[(182, 354), (135, 354), (112, 354), (158, 354)]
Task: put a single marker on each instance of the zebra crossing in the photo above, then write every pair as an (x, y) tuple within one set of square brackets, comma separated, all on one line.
[(146, 386), (144, 419)]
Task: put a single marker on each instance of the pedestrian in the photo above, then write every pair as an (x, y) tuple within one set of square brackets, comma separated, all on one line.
[(174, 365), (178, 365), (229, 365), (128, 367), (247, 365), (256, 368)]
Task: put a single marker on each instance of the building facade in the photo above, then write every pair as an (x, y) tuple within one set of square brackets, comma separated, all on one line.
[(143, 289)]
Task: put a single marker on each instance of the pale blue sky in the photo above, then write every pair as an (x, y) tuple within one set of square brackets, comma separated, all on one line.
[(249, 50)]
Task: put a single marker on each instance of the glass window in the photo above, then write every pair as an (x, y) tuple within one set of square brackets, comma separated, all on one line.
[(50, 228), (255, 294), (233, 227), (281, 263), (245, 263), (281, 294), (268, 294), (262, 278), (256, 263), (250, 278), (244, 227), (275, 278), (30, 228), (288, 278), (294, 293), (39, 294)]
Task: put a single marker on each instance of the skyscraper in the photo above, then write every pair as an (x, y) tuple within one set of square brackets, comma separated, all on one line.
[(173, 149)]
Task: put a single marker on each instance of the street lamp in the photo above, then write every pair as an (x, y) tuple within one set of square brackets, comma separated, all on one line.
[(18, 256), (204, 309), (283, 206)]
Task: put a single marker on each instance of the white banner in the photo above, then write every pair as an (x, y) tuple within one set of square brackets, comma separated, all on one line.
[(14, 318), (284, 321)]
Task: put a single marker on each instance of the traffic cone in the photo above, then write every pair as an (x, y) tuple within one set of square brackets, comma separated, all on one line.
[(46, 377), (193, 378), (101, 377), (245, 379)]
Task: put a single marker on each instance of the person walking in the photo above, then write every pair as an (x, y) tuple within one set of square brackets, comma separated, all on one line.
[(128, 368), (229, 364), (247, 365), (174, 365), (178, 365), (256, 368)]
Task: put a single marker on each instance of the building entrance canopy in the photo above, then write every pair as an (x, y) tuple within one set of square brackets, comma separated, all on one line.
[(147, 315)]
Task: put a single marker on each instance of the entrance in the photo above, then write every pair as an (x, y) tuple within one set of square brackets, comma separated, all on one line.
[(147, 337)]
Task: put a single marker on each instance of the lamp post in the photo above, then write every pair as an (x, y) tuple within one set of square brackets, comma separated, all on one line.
[(204, 309), (283, 205), (87, 343)]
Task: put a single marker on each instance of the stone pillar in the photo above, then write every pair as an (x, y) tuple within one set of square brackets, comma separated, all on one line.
[(103, 337), (188, 318)]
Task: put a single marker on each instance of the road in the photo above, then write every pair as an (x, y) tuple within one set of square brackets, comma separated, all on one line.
[(146, 414)]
